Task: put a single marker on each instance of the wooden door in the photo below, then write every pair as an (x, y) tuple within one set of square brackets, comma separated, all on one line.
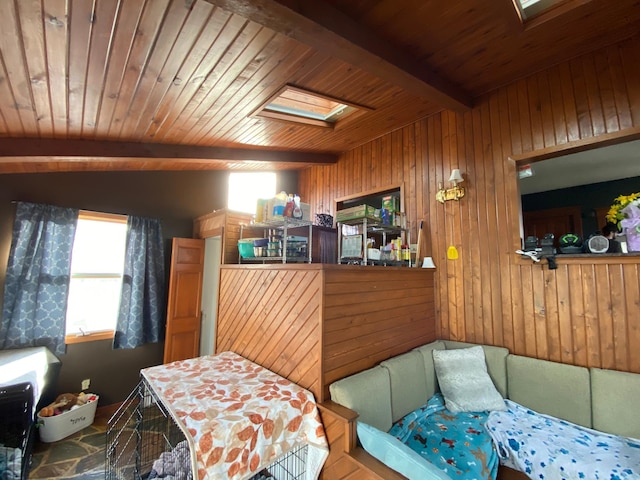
[(185, 295), (553, 220), (601, 216)]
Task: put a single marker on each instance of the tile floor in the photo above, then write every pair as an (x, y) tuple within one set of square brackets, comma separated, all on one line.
[(80, 456)]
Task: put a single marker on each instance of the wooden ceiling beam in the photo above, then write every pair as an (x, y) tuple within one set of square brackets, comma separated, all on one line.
[(79, 150), (323, 27)]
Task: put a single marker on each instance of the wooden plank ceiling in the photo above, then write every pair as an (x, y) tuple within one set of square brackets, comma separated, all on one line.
[(172, 84)]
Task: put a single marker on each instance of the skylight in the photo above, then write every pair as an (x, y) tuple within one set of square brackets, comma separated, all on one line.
[(296, 105), (531, 8)]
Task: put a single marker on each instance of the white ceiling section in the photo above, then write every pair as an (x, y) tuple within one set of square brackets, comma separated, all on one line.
[(603, 164)]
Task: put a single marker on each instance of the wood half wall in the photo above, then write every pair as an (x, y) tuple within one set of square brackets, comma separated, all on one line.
[(586, 312), (317, 323)]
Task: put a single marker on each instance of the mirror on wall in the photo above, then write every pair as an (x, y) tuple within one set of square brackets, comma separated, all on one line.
[(572, 193)]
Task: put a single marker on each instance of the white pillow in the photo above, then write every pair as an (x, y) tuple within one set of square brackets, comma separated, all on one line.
[(464, 381), (396, 455)]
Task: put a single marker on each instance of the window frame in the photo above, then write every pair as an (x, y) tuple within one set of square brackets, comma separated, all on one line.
[(544, 11), (350, 109), (517, 231), (95, 335)]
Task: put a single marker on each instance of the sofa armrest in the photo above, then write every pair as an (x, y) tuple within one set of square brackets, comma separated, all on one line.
[(345, 416), (351, 450)]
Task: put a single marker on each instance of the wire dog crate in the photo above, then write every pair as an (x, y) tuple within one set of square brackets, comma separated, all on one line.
[(145, 442), (16, 430), (141, 438)]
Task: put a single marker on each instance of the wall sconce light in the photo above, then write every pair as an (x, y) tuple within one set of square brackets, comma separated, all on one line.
[(454, 193)]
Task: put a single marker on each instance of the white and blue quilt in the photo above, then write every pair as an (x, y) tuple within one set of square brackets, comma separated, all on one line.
[(545, 447)]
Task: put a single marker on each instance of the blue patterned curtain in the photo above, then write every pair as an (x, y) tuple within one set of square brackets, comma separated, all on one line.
[(141, 317), (38, 274)]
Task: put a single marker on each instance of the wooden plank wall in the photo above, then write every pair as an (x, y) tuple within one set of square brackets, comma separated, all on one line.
[(371, 314), (583, 313), (273, 317), (317, 323)]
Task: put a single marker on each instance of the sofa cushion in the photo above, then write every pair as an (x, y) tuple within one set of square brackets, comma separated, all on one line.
[(427, 355), (408, 383), (496, 358), (612, 394), (464, 381), (548, 387), (369, 394), (396, 455)]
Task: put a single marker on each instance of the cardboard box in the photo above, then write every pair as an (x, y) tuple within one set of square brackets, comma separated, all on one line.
[(60, 426), (355, 213), (390, 202)]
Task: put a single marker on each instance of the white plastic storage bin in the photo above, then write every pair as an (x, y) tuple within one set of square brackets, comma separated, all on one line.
[(60, 426)]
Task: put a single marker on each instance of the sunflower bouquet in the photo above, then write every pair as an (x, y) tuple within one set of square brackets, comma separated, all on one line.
[(617, 212)]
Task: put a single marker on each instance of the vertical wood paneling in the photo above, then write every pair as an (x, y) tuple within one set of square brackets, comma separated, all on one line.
[(578, 317), (548, 130), (125, 26), (583, 313), (80, 28), (619, 88), (631, 276), (136, 63), (103, 21), (164, 61), (618, 310), (631, 71), (604, 90), (31, 20), (56, 32), (565, 334), (11, 46)]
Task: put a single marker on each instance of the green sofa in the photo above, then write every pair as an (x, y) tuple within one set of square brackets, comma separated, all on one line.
[(592, 397)]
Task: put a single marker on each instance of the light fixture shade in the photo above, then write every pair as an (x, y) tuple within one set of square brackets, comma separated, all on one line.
[(427, 262), (456, 176)]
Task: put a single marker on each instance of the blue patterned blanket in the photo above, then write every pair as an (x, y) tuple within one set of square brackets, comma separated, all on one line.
[(545, 447), (456, 443)]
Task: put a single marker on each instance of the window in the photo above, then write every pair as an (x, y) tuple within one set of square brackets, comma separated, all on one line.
[(296, 105), (97, 263), (531, 8), (246, 188)]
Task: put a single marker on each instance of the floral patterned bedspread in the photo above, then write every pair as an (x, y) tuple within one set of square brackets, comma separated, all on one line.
[(545, 447), (456, 443), (238, 417)]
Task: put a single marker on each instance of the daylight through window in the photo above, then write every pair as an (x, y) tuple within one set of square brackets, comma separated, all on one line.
[(297, 105), (246, 188), (531, 8), (97, 263)]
